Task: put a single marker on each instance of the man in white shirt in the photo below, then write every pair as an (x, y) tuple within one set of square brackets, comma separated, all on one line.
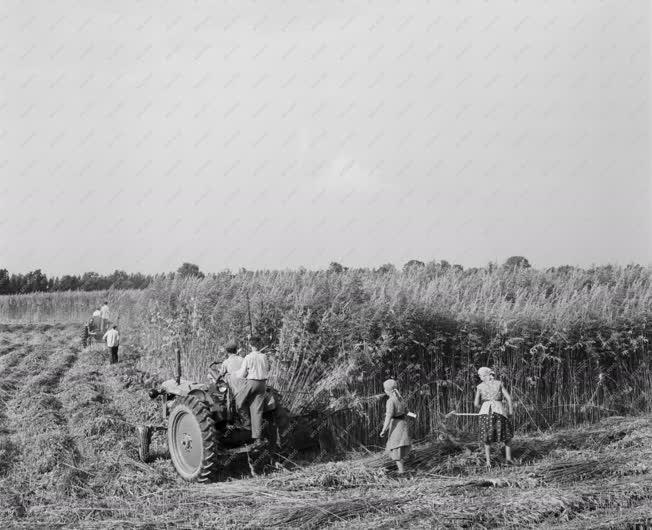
[(251, 401), (112, 338), (104, 316)]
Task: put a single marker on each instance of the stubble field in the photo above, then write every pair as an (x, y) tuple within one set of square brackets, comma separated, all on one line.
[(68, 457)]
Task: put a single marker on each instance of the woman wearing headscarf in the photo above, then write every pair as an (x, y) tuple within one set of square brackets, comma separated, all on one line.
[(495, 418), (398, 439)]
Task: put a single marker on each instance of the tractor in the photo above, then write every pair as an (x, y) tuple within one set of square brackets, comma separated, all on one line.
[(205, 432)]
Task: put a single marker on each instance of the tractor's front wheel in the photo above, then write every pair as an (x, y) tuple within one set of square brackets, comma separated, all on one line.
[(192, 440)]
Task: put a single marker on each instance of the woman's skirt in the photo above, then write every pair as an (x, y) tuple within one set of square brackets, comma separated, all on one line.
[(399, 453), (398, 439), (495, 428)]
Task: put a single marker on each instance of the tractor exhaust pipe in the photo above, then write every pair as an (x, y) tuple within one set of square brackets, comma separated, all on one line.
[(178, 352)]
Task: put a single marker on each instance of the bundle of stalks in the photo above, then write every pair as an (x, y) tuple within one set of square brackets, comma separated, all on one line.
[(316, 514), (481, 483), (570, 472), (330, 476), (11, 503), (639, 517), (422, 456), (528, 449), (519, 505), (589, 437)]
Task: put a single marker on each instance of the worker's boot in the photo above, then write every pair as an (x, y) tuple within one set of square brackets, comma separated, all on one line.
[(258, 443)]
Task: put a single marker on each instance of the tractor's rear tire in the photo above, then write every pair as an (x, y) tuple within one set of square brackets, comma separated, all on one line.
[(192, 440), (144, 439)]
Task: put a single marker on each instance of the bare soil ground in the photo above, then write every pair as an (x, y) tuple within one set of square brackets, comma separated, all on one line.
[(68, 458)]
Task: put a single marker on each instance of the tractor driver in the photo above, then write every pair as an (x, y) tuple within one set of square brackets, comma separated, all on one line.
[(230, 366), (233, 362), (255, 371)]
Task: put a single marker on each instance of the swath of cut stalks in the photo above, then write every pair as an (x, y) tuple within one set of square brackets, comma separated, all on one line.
[(330, 476), (423, 456), (639, 517), (474, 485), (316, 514), (570, 472)]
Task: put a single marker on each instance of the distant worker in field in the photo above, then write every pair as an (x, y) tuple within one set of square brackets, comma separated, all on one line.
[(495, 414), (398, 439), (251, 400), (112, 338), (89, 331), (86, 333), (97, 318), (104, 316)]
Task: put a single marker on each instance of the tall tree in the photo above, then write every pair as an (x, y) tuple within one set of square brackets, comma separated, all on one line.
[(516, 262), (386, 268), (5, 285), (413, 264), (34, 282), (335, 267), (69, 283), (91, 281), (189, 270)]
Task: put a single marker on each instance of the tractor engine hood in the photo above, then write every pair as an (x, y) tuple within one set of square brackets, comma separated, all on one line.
[(182, 389)]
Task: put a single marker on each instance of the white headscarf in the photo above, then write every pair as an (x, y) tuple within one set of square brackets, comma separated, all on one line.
[(390, 387), (482, 372)]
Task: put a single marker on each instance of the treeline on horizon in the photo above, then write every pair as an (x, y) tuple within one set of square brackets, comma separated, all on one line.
[(36, 281)]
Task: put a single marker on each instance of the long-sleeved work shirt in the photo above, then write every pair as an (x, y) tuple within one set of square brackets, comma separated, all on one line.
[(254, 366)]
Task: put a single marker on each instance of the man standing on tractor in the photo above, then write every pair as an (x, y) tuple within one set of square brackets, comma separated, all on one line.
[(112, 338), (251, 400), (104, 316)]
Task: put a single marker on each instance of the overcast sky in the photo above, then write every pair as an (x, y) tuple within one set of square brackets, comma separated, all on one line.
[(276, 134)]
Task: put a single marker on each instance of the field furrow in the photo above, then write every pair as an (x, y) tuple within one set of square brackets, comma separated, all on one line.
[(44, 455)]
